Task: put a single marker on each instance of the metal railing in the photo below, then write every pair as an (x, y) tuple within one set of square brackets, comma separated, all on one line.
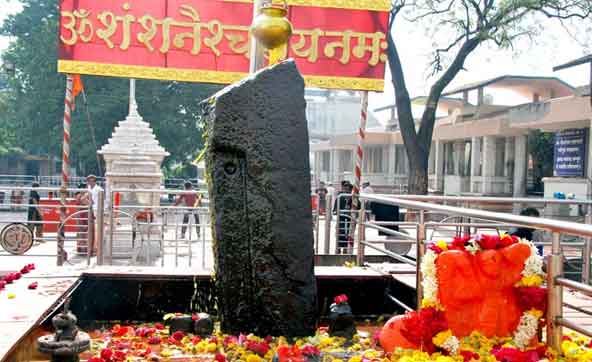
[(36, 231), (142, 231), (555, 279)]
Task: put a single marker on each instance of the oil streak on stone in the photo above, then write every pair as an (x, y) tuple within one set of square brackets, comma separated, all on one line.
[(259, 182)]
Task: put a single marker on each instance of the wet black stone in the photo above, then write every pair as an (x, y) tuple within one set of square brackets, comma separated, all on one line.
[(341, 321), (204, 325), (258, 173)]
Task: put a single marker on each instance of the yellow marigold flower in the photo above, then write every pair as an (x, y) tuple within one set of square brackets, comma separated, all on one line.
[(429, 303), (212, 347), (166, 353), (356, 347), (531, 281), (444, 359), (535, 312), (442, 245), (356, 358), (440, 338), (253, 358)]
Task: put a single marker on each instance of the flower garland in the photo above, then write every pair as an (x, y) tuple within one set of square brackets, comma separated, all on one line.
[(531, 296)]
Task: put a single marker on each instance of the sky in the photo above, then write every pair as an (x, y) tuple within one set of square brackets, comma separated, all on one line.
[(555, 47)]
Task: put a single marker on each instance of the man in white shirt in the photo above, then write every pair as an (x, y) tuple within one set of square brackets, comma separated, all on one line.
[(94, 190)]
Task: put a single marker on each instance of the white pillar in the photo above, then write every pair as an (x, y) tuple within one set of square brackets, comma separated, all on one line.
[(439, 166), (520, 165), (489, 155), (333, 163), (475, 161), (318, 165)]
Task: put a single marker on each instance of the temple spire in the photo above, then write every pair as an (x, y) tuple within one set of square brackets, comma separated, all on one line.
[(133, 106)]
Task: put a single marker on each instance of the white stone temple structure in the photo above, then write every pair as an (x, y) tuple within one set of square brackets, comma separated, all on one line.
[(133, 158)]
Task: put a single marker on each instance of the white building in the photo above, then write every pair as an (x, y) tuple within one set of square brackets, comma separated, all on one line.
[(479, 146)]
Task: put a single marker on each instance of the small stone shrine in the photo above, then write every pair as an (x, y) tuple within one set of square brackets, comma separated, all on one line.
[(257, 163), (133, 158)]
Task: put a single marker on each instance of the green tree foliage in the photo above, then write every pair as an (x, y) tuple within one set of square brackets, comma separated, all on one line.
[(35, 98)]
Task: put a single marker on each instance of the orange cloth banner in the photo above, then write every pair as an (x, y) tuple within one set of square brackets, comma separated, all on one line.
[(337, 44)]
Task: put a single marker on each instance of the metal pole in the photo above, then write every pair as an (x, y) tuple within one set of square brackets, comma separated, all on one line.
[(111, 226), (90, 234), (587, 251), (99, 222), (257, 52), (359, 163), (317, 225), (65, 169), (555, 302), (361, 235), (338, 223), (421, 235), (328, 219)]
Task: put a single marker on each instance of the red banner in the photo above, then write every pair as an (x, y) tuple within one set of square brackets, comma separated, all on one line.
[(336, 43)]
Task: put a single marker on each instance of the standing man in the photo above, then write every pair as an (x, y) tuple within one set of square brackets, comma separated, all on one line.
[(321, 191), (94, 190), (367, 189), (344, 201), (190, 200), (34, 214)]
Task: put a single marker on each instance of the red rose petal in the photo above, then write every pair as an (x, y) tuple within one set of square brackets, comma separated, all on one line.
[(33, 286)]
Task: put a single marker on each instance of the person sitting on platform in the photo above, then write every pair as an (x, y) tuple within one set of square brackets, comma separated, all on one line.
[(527, 233)]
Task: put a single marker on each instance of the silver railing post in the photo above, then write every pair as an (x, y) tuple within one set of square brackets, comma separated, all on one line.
[(90, 236), (99, 222), (421, 236), (317, 224), (361, 234), (587, 251), (555, 302), (337, 223), (328, 219), (112, 213)]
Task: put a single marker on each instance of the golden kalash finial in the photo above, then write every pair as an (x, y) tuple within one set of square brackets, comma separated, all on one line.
[(272, 29)]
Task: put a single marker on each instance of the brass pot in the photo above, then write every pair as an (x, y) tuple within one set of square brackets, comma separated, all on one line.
[(271, 27)]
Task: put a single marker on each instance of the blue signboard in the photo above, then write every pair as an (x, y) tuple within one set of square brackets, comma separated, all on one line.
[(570, 153)]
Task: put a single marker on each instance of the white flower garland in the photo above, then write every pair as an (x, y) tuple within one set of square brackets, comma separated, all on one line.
[(533, 266), (526, 330), (452, 345), (429, 282)]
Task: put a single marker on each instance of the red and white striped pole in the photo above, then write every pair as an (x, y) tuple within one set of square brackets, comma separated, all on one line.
[(358, 168), (67, 120), (68, 106)]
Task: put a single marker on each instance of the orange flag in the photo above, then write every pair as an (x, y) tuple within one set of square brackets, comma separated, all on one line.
[(77, 86)]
